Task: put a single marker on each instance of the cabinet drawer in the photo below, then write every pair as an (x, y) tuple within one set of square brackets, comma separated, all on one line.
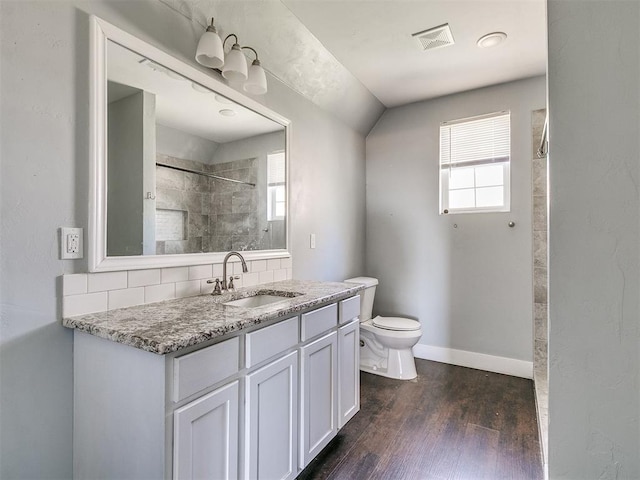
[(200, 369), (349, 309), (318, 321), (270, 341)]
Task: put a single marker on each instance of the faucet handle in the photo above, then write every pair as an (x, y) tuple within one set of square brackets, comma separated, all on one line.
[(230, 285), (217, 289)]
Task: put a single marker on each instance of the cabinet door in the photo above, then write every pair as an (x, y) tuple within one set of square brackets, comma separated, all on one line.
[(271, 416), (348, 372), (319, 396), (206, 436)]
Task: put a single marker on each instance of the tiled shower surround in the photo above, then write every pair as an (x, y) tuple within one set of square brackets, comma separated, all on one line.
[(540, 284), (98, 292), (218, 215)]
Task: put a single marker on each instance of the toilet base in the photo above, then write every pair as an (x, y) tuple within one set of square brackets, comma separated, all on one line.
[(400, 365)]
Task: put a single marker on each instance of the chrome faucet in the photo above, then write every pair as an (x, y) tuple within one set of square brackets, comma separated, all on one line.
[(226, 286)]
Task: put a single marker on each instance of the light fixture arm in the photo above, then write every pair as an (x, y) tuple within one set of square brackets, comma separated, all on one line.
[(254, 52), (212, 28), (227, 38)]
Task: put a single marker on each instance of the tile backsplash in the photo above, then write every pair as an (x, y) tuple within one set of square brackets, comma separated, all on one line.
[(84, 293)]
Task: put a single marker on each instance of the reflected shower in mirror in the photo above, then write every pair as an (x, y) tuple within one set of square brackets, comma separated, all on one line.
[(188, 170)]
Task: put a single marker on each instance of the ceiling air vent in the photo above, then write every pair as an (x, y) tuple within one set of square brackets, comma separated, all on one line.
[(435, 37)]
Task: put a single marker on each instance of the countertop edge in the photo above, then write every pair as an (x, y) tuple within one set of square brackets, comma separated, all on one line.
[(88, 324)]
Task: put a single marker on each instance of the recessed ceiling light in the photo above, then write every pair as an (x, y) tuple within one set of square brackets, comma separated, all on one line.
[(199, 88), (222, 99), (227, 112), (492, 39)]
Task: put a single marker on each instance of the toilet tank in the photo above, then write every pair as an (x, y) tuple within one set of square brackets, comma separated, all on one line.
[(366, 295)]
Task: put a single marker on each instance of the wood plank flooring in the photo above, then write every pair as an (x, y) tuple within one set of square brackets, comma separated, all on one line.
[(452, 423)]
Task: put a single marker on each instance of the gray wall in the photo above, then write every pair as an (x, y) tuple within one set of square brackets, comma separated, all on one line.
[(470, 286), (594, 239), (131, 137), (44, 172), (179, 144)]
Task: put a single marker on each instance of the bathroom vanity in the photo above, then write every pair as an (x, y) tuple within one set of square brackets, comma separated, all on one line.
[(203, 388)]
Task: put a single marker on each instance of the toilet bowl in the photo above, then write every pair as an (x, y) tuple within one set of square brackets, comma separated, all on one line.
[(385, 342)]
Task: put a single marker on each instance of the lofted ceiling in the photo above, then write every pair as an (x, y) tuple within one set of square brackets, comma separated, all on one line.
[(373, 40), (356, 57)]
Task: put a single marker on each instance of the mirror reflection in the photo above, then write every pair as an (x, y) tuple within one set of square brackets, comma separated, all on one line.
[(189, 170)]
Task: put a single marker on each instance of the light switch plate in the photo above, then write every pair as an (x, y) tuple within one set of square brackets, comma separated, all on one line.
[(71, 243), (312, 240)]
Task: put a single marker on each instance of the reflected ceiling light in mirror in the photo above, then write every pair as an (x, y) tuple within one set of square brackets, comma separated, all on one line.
[(222, 99), (199, 88), (227, 112), (491, 39), (210, 52), (233, 65)]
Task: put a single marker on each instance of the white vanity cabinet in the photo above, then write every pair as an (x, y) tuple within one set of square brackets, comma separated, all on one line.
[(271, 416), (258, 405), (319, 396), (348, 371), (205, 436)]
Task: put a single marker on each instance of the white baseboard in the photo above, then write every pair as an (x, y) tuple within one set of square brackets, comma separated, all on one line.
[(480, 361)]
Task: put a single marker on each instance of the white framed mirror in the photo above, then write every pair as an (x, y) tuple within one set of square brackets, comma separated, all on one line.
[(184, 168)]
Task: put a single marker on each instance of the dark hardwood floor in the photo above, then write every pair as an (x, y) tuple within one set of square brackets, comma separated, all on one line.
[(451, 423)]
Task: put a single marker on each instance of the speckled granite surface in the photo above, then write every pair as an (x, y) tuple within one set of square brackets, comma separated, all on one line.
[(171, 325)]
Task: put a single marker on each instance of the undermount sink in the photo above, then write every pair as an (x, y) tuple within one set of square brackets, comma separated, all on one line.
[(259, 299)]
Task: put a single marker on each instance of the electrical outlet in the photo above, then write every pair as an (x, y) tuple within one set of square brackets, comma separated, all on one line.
[(71, 244)]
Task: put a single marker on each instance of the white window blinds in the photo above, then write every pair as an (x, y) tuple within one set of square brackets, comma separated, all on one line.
[(474, 142), (275, 168)]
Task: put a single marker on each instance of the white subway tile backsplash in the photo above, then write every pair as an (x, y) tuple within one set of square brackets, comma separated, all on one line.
[(206, 288), (188, 289), (98, 292), (286, 263), (100, 282), (200, 271), (74, 284), (289, 273), (83, 304), (217, 270), (266, 276), (174, 274), (142, 278), (258, 266), (237, 268), (273, 264), (279, 274), (250, 279), (158, 293), (127, 297)]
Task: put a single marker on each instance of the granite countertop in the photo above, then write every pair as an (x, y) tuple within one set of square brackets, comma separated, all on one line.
[(168, 326)]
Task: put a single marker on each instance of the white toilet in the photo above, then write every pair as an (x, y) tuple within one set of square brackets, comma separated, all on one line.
[(385, 342)]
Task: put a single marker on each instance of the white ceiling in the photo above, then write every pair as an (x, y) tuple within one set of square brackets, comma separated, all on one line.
[(178, 104), (372, 39)]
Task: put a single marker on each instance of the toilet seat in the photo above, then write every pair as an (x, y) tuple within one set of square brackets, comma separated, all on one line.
[(397, 324)]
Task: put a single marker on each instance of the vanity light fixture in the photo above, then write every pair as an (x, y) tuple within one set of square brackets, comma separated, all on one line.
[(210, 52), (491, 39), (256, 84), (233, 65)]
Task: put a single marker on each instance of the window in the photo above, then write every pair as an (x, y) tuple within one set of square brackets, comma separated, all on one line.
[(276, 189), (475, 157)]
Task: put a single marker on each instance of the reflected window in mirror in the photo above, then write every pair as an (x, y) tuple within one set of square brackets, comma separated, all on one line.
[(276, 194)]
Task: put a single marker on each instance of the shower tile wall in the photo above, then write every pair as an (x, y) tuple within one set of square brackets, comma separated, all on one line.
[(218, 215), (540, 284)]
